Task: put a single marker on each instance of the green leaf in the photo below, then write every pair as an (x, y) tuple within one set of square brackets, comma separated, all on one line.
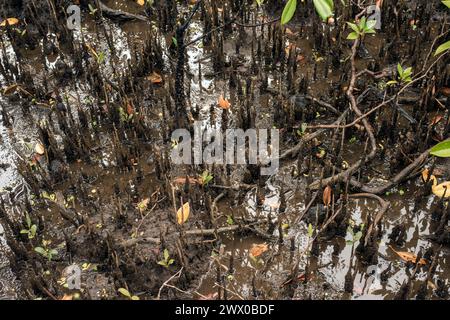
[(33, 230), (27, 217), (371, 24), (357, 236), (349, 242), (447, 3), (324, 8), (350, 230), (125, 292), (392, 82), (175, 41), (134, 298), (166, 254), (352, 36), (362, 23), (288, 11), (304, 127), (441, 149), (92, 9), (171, 261), (41, 251), (162, 263), (24, 231), (399, 69), (310, 230), (407, 72), (353, 26), (443, 47), (330, 4), (53, 252)]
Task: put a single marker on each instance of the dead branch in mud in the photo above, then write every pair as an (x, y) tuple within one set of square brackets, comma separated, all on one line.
[(202, 232), (395, 180)]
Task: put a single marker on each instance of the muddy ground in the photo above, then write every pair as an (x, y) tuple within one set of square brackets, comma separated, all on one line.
[(87, 181)]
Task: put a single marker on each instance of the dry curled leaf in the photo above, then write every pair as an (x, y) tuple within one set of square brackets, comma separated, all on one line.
[(327, 195), (436, 120), (140, 2), (223, 103), (155, 78), (445, 91), (409, 257), (183, 213), (67, 297), (130, 109), (10, 89), (258, 249), (9, 21), (39, 148)]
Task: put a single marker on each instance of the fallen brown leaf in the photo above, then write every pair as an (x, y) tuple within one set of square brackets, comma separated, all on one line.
[(327, 195), (223, 103), (409, 257), (155, 78), (436, 120), (258, 249)]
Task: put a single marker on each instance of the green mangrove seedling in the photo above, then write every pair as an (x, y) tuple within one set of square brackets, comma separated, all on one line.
[(45, 250), (127, 294), (206, 177), (167, 261), (355, 236), (404, 75), (361, 29), (31, 228)]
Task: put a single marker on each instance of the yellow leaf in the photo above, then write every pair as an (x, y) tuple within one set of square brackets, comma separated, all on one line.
[(67, 297), (183, 213), (10, 21), (39, 148), (140, 2)]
